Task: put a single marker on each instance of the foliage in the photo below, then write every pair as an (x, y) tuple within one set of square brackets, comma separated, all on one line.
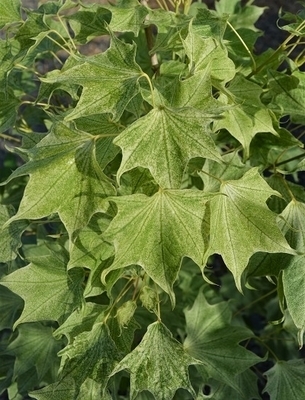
[(152, 242)]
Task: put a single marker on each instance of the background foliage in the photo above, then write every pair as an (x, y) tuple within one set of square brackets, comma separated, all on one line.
[(152, 209)]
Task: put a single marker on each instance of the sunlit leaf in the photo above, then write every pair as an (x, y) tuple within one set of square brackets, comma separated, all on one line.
[(158, 364)]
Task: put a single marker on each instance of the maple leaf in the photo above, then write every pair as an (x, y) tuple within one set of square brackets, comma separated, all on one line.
[(59, 294), (156, 240), (248, 116), (109, 80), (210, 335), (164, 141), (33, 346), (242, 210), (65, 178), (286, 380), (158, 364), (10, 235)]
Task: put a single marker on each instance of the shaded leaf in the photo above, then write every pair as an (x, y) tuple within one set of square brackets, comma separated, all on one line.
[(10, 235), (9, 12), (286, 380), (32, 347), (48, 291)]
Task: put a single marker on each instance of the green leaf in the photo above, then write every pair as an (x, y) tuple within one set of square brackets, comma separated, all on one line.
[(164, 141), (92, 355), (241, 209), (286, 380), (158, 364), (210, 336), (65, 178), (109, 80), (248, 116), (205, 52), (156, 241), (127, 16), (32, 347), (8, 110), (9, 12), (10, 308), (10, 235), (59, 292), (246, 382), (89, 22)]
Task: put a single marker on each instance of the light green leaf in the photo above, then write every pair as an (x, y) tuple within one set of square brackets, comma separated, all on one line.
[(127, 16), (65, 178), (158, 364), (156, 241), (80, 320), (241, 210), (231, 168), (9, 12), (63, 390), (36, 347), (292, 223), (48, 291), (248, 116), (286, 380), (205, 52), (164, 141), (208, 24), (92, 355), (89, 248), (10, 235), (109, 80)]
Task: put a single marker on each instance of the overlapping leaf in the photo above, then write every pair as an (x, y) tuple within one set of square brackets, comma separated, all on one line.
[(158, 364), (210, 336), (65, 177), (164, 141), (248, 116), (127, 16), (292, 222), (33, 346), (10, 235), (109, 80), (9, 12), (241, 210), (159, 233), (286, 380), (48, 291)]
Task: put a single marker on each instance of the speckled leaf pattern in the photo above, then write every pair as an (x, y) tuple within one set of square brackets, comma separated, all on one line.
[(158, 364), (241, 208), (156, 241), (48, 291), (65, 178), (164, 141), (109, 80)]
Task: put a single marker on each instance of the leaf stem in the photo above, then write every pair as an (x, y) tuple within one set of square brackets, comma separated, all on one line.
[(267, 347), (144, 75), (11, 138), (150, 42), (244, 44), (254, 301)]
